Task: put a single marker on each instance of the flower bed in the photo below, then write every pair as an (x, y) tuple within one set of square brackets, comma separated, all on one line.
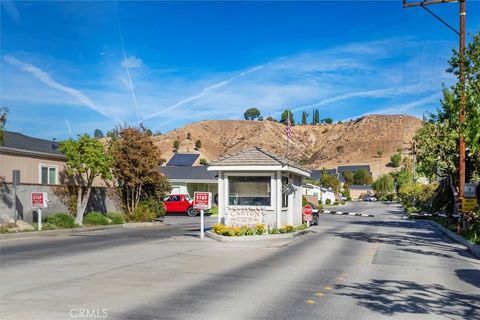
[(259, 229)]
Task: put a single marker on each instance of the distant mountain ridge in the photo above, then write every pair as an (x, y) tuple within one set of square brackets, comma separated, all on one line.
[(315, 146)]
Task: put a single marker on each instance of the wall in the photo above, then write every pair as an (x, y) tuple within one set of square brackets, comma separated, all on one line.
[(297, 201), (101, 199)]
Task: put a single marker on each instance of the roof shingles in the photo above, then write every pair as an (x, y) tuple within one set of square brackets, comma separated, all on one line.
[(15, 140), (255, 157)]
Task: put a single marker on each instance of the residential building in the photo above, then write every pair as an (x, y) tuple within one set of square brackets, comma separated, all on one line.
[(38, 160), (321, 193)]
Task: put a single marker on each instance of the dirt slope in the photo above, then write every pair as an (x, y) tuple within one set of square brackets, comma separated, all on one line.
[(353, 142)]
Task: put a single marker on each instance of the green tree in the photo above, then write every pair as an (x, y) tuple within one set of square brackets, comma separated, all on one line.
[(348, 176), (3, 121), (176, 146), (198, 144), (329, 181), (316, 117), (416, 194), (327, 120), (135, 167), (362, 177), (86, 160), (402, 177), (251, 114), (287, 114), (304, 117), (437, 141), (204, 162), (98, 134), (396, 160), (112, 134), (379, 153), (383, 185)]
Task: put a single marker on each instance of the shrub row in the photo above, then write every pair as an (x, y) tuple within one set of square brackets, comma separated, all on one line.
[(66, 221), (259, 229)]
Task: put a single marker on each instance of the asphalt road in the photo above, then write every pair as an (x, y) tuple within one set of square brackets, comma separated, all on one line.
[(383, 267)]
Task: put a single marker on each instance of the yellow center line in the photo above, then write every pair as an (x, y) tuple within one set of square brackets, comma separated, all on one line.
[(327, 288), (319, 294), (310, 301)]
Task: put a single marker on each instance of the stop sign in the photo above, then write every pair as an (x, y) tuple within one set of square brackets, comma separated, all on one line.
[(308, 213)]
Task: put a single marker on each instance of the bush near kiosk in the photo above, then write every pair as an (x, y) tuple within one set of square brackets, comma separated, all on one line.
[(259, 229)]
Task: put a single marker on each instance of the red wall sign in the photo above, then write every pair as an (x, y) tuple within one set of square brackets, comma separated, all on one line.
[(202, 200)]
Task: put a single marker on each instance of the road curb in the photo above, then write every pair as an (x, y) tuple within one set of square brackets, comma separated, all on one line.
[(473, 248), (220, 238), (61, 232)]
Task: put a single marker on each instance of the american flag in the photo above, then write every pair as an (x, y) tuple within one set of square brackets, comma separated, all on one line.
[(288, 130)]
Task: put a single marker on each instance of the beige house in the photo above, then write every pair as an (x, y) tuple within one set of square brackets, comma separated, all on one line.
[(38, 160), (41, 165)]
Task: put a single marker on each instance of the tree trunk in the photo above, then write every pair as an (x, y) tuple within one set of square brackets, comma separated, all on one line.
[(453, 187), (82, 204)]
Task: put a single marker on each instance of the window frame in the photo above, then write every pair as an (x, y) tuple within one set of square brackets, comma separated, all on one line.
[(250, 174), (284, 195), (48, 166)]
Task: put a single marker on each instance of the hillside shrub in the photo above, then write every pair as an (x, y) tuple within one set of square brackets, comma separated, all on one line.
[(61, 220), (328, 201), (95, 218)]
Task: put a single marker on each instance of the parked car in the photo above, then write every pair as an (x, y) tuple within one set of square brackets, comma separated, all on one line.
[(370, 198), (180, 203)]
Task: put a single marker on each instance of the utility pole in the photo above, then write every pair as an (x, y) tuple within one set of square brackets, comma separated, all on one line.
[(461, 78)]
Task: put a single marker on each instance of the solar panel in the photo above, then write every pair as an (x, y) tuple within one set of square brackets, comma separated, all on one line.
[(183, 159)]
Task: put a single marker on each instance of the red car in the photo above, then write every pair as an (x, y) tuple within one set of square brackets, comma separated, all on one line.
[(180, 203)]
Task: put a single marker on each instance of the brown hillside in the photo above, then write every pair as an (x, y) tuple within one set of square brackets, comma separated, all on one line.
[(353, 142)]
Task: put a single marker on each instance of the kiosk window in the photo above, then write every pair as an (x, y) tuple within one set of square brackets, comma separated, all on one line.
[(249, 191)]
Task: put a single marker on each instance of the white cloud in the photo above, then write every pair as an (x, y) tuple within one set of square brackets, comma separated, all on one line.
[(132, 62), (205, 91), (11, 10), (47, 80), (409, 107), (345, 77), (69, 127)]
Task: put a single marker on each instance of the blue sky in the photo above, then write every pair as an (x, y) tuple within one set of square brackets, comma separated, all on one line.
[(71, 67)]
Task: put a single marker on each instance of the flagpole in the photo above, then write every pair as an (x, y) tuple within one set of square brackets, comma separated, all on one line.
[(288, 136)]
